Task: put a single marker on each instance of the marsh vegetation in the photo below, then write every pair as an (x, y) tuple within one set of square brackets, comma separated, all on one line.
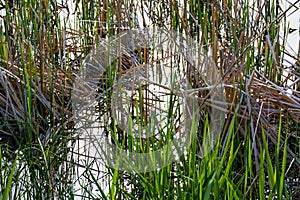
[(42, 50)]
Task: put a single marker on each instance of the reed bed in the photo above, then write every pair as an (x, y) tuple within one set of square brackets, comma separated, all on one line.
[(43, 45)]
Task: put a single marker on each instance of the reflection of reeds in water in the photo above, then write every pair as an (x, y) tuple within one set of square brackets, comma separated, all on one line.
[(128, 60)]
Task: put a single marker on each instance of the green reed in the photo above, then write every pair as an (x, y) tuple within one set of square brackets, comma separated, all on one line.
[(256, 151)]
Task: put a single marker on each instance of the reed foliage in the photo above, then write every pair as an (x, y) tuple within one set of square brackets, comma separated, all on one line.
[(42, 47)]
